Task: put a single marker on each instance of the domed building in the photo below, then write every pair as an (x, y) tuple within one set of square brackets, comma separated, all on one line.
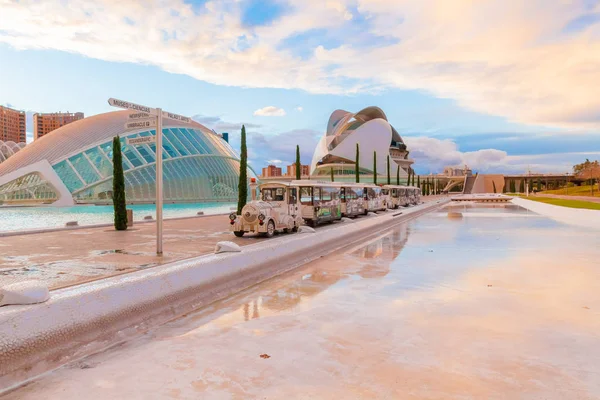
[(73, 164), (370, 129), (9, 148)]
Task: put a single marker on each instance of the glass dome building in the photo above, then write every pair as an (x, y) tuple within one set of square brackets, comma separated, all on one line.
[(73, 164)]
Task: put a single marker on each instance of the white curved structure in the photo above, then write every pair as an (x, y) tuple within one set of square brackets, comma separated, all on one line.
[(9, 149), (73, 164), (373, 133)]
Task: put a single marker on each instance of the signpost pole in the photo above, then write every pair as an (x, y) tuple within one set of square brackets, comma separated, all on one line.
[(159, 184)]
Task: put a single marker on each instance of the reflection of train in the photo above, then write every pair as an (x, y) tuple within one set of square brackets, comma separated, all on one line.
[(284, 205)]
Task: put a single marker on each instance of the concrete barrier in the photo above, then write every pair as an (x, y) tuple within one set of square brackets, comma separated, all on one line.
[(81, 320), (571, 216)]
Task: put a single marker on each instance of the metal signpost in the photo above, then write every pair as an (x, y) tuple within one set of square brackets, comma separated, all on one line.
[(147, 117)]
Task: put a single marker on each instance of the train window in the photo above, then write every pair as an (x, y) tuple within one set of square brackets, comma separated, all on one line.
[(343, 195), (394, 193), (326, 194), (306, 195), (384, 192), (292, 195), (274, 194), (317, 195)]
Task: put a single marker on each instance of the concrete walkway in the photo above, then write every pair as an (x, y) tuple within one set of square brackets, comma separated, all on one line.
[(571, 216), (567, 197), (65, 258)]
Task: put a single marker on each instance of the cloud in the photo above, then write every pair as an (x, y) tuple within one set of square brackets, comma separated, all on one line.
[(489, 56), (275, 162), (299, 109), (432, 155), (270, 111), (219, 125)]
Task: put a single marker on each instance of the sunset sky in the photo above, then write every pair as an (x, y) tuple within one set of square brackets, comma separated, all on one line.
[(503, 86)]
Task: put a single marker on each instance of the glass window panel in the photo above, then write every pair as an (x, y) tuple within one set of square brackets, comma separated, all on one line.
[(184, 140), (175, 142), (100, 162), (168, 147), (146, 153), (193, 140), (84, 168), (68, 176)]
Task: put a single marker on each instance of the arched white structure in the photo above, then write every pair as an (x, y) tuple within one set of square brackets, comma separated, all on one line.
[(9, 149), (370, 129), (74, 164)]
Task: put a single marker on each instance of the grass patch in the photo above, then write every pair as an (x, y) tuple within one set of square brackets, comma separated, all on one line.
[(588, 205), (583, 190)]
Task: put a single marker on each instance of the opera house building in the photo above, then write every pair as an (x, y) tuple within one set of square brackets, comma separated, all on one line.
[(370, 129), (73, 164)]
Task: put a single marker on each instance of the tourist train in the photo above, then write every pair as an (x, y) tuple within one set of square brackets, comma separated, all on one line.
[(285, 206)]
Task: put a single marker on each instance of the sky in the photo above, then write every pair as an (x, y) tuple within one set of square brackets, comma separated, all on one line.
[(499, 85)]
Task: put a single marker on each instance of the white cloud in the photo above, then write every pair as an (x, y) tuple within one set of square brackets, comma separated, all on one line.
[(432, 155), (299, 109), (524, 60), (270, 111), (275, 162)]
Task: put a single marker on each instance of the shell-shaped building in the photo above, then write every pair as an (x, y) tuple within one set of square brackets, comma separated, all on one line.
[(9, 148), (73, 164), (370, 129)]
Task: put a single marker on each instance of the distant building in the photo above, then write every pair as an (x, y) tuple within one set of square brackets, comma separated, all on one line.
[(271, 170), (304, 170), (12, 125), (46, 123), (453, 171)]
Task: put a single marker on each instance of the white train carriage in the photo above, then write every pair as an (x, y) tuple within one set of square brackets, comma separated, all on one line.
[(319, 201), (374, 198), (351, 195), (398, 196), (277, 210)]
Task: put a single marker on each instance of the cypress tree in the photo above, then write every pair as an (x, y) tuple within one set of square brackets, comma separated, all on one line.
[(375, 167), (513, 187), (357, 165), (530, 185), (494, 185), (119, 202), (398, 175), (522, 186), (413, 180), (504, 187), (332, 174), (243, 184), (388, 171), (298, 165), (418, 181), (539, 184)]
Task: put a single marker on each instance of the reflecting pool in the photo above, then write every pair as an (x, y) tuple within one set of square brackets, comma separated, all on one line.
[(24, 218), (490, 306)]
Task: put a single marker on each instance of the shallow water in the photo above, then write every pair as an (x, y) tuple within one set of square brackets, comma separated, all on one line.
[(478, 307), (24, 218)]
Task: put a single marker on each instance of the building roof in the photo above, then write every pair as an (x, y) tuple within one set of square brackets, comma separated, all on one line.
[(79, 135)]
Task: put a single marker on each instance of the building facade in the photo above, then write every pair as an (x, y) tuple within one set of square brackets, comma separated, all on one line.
[(44, 123), (12, 125), (304, 170), (376, 139), (271, 171), (74, 164)]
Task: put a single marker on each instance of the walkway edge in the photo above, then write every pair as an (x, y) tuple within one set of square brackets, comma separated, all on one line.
[(81, 320), (570, 216)]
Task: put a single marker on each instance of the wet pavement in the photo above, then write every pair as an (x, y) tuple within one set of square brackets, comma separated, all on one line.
[(70, 257), (487, 306)]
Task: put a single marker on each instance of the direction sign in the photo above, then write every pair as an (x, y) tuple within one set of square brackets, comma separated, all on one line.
[(176, 117), (147, 123), (132, 106), (141, 140), (139, 115)]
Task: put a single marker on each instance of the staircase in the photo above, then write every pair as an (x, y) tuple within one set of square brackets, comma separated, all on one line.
[(469, 182)]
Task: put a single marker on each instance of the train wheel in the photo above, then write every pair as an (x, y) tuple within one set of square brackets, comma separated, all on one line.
[(270, 229), (238, 233)]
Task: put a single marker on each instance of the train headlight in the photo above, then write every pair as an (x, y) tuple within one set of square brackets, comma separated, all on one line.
[(261, 217), (232, 216)]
